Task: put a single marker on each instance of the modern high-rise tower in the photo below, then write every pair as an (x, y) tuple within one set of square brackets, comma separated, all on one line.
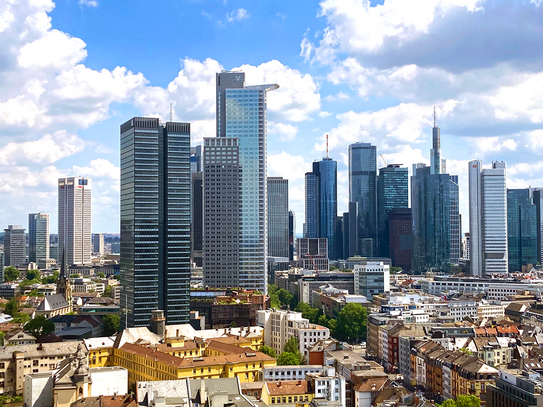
[(363, 188), (456, 238), (487, 218), (98, 245), (278, 217), (242, 113), (521, 229), (196, 194), (392, 192), (38, 237), (14, 246), (155, 220), (437, 164), (75, 219)]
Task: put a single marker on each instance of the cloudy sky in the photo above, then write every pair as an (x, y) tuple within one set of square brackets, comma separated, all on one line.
[(72, 71)]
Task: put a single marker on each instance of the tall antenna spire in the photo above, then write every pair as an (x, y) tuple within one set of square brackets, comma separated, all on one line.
[(434, 116), (171, 113), (327, 146)]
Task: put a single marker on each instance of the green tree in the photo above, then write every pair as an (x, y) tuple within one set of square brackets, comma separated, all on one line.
[(308, 312), (108, 292), (33, 275), (20, 318), (2, 334), (26, 282), (284, 296), (287, 358), (12, 307), (395, 269), (292, 348), (39, 326), (52, 278), (101, 275), (351, 324), (112, 323), (274, 301), (11, 273), (332, 267), (74, 275), (466, 351), (267, 350), (462, 401)]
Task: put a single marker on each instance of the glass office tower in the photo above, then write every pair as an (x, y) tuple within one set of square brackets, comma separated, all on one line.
[(363, 188), (242, 113), (430, 202), (278, 217), (392, 192), (521, 229), (38, 237), (311, 225), (155, 221), (456, 238)]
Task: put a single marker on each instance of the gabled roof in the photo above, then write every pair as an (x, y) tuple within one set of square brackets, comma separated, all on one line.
[(288, 387), (52, 303)]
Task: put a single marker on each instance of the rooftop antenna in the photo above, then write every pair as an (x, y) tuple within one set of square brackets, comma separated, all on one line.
[(434, 116), (171, 113), (327, 146)]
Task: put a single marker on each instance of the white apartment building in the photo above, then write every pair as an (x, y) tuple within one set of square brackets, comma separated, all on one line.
[(279, 326), (75, 219), (298, 372), (498, 290), (488, 218), (371, 278), (331, 388), (490, 310)]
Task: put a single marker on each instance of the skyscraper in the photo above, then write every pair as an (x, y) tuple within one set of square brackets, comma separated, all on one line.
[(521, 229), (197, 225), (363, 189), (38, 237), (242, 113), (98, 243), (456, 238), (155, 220), (538, 197), (487, 218), (350, 228), (400, 237), (430, 202), (437, 164), (222, 214), (278, 217), (75, 218), (14, 246), (321, 203), (392, 192), (291, 234)]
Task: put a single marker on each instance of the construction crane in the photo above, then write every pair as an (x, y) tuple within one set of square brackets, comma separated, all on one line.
[(313, 262), (383, 158)]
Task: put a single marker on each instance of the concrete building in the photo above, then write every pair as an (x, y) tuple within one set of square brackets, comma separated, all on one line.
[(313, 254), (98, 243), (515, 388), (14, 246), (155, 220), (278, 217), (292, 372), (75, 218), (488, 218), (371, 278), (241, 113), (279, 326), (38, 237)]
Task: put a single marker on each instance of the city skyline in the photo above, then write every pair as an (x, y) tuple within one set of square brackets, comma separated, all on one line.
[(379, 90)]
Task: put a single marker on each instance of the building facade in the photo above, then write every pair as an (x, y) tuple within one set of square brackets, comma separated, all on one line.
[(98, 243), (521, 229), (38, 237), (278, 217), (291, 234), (242, 113), (363, 189), (456, 238), (392, 192), (155, 220), (75, 218), (400, 237), (488, 218), (371, 279), (14, 246), (313, 254)]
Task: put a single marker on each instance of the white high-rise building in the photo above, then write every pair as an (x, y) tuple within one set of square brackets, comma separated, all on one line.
[(487, 218), (14, 246), (75, 219)]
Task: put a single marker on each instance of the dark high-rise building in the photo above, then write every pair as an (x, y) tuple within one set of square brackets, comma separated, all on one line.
[(278, 217), (521, 229), (456, 233), (431, 214), (321, 203), (197, 233), (291, 234), (363, 190), (155, 220), (437, 164), (14, 246), (196, 159), (538, 198), (340, 230), (400, 229), (241, 113), (38, 237), (222, 187), (392, 192), (351, 228)]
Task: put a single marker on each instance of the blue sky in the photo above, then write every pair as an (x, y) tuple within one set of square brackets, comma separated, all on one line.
[(72, 71)]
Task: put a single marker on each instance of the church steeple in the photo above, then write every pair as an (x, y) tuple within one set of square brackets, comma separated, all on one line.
[(63, 285)]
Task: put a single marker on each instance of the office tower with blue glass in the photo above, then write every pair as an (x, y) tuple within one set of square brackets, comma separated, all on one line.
[(456, 238), (538, 197), (521, 229), (241, 113), (38, 238), (278, 217), (431, 216), (155, 221), (321, 203), (392, 192), (363, 190)]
